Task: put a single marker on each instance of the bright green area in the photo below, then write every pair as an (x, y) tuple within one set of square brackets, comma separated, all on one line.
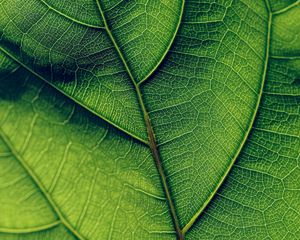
[(223, 103), (57, 232)]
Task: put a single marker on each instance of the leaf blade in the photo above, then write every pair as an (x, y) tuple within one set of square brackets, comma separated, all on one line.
[(232, 104)]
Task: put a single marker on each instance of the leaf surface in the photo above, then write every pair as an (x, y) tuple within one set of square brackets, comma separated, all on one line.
[(114, 129)]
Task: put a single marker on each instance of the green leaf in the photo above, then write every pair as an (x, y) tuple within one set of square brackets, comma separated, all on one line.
[(149, 119)]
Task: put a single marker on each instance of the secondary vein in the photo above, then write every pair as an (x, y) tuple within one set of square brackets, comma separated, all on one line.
[(31, 229), (168, 48), (150, 132), (69, 17), (131, 134), (40, 186), (264, 74), (287, 8)]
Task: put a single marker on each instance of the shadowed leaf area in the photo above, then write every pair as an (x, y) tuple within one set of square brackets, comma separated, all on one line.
[(149, 119)]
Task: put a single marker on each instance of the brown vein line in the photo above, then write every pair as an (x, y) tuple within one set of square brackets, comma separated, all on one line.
[(40, 186), (150, 132), (200, 211)]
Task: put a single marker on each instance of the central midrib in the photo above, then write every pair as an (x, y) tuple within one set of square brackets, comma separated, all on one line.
[(150, 132)]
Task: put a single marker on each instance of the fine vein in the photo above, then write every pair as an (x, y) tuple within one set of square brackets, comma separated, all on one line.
[(150, 132)]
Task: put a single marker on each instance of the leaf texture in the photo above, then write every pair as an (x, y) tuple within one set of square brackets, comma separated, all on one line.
[(149, 119)]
